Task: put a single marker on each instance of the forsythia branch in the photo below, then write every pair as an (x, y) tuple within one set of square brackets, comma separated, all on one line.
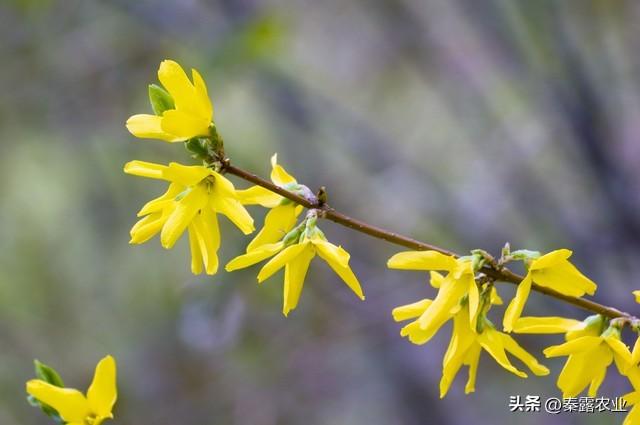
[(502, 274)]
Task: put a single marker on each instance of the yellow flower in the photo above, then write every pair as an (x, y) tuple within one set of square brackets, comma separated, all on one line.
[(589, 355), (552, 270), (295, 258), (460, 281), (436, 317), (283, 214), (636, 294), (72, 406), (465, 348), (191, 116), (195, 195)]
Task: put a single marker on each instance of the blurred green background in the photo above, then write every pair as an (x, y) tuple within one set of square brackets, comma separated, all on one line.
[(459, 122)]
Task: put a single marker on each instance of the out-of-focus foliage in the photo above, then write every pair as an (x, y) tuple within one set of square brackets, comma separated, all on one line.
[(464, 123)]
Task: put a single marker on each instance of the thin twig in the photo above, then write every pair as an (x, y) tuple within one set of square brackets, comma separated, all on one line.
[(500, 274)]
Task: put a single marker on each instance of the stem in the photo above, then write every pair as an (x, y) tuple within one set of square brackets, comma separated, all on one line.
[(502, 273)]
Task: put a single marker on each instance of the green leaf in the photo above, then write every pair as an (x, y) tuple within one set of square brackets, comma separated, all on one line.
[(160, 99), (47, 374)]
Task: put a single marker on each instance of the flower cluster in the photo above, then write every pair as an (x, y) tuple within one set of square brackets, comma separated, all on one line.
[(198, 193), (465, 296)]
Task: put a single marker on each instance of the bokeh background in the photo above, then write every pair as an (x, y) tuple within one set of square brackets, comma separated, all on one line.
[(460, 122)]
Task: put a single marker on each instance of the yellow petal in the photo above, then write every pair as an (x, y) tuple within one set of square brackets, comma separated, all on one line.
[(514, 310), (147, 126), (331, 253), (294, 274), (182, 216), (415, 334), (564, 278), (204, 106), (435, 279), (175, 80), (102, 393), (546, 325), (439, 311), (277, 223), (600, 359), (162, 201), (338, 260), (70, 404), (421, 260), (575, 374), (146, 169), (260, 196), (633, 417), (146, 228), (278, 174), (410, 311), (474, 298), (635, 354), (234, 211), (492, 342), (550, 259), (514, 348), (184, 125), (620, 349), (277, 262), (252, 257), (494, 297), (462, 341), (187, 175), (194, 247), (577, 345), (208, 236), (472, 359), (636, 294)]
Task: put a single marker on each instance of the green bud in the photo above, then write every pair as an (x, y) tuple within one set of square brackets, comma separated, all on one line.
[(293, 236), (525, 255), (198, 147), (160, 99)]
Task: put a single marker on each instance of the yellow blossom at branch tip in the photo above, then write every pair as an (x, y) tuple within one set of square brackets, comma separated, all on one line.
[(295, 258), (283, 213), (193, 110), (74, 407), (195, 196), (554, 271)]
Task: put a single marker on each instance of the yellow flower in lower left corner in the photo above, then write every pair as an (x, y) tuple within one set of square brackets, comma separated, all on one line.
[(74, 407), (195, 195)]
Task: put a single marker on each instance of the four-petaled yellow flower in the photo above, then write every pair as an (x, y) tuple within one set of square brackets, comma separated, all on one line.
[(590, 352), (459, 282), (283, 213), (552, 270), (191, 116), (195, 195), (74, 407), (466, 345), (295, 258)]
